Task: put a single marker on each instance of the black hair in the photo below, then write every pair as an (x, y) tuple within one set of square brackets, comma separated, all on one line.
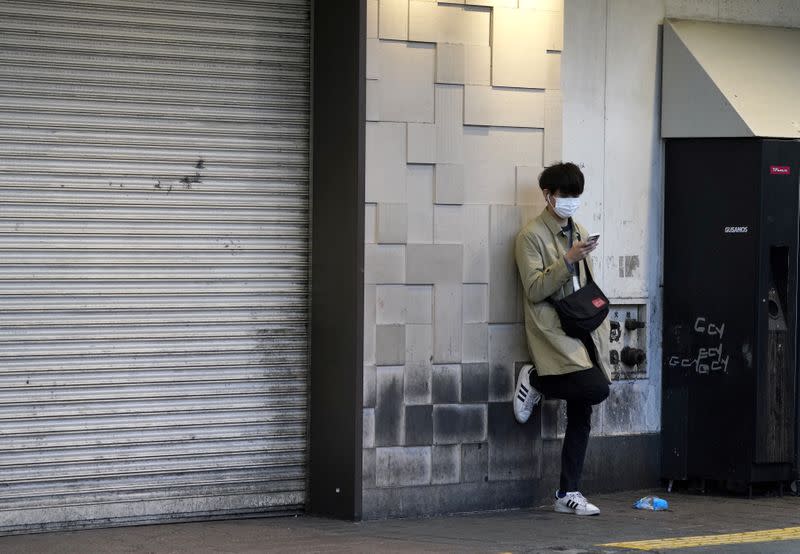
[(566, 178)]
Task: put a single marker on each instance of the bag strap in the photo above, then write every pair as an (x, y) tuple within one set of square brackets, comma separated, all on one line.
[(589, 278), (573, 228)]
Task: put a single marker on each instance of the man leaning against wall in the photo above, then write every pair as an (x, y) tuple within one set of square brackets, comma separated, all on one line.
[(552, 253)]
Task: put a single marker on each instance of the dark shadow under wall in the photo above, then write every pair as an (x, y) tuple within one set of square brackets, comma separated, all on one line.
[(612, 464)]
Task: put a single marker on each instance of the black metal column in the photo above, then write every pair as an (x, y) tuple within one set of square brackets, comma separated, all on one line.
[(337, 268)]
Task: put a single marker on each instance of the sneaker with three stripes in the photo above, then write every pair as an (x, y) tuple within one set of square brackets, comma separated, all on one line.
[(575, 503), (525, 396)]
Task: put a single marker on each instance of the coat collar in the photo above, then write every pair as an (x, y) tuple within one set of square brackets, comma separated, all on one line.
[(551, 222)]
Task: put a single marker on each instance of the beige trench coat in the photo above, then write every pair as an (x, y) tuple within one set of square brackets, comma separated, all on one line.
[(540, 249)]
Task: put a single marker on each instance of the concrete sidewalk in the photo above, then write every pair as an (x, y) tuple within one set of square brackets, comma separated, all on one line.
[(536, 530)]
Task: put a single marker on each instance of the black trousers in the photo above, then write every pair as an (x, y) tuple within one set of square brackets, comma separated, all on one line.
[(581, 390)]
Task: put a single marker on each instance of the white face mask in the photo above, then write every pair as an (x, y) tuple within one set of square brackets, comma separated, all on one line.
[(566, 207)]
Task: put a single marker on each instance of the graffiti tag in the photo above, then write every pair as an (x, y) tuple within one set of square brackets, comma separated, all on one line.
[(708, 359)]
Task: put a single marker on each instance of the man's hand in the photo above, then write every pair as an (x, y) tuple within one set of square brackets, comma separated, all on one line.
[(580, 250)]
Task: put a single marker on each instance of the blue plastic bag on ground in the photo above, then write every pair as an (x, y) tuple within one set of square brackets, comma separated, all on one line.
[(652, 503)]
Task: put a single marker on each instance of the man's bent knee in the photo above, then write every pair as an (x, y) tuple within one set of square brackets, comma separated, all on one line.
[(599, 394)]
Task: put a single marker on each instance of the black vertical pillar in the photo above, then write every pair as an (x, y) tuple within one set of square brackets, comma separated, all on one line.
[(337, 268)]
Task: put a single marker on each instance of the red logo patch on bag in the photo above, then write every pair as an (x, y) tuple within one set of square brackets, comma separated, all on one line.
[(598, 302), (779, 170)]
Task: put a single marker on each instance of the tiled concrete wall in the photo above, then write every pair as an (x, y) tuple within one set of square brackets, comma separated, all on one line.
[(463, 111), (464, 108)]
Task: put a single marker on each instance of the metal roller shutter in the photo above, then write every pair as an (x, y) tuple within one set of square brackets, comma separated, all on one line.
[(153, 259)]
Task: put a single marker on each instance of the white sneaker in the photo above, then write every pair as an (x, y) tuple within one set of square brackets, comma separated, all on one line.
[(575, 503), (525, 396)]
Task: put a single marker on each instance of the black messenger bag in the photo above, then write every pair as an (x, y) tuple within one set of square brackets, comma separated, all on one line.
[(585, 309)]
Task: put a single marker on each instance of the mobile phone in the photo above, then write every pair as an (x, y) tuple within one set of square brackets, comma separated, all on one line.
[(593, 237)]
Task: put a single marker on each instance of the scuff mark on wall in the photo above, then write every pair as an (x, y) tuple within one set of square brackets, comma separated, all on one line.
[(628, 265)]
